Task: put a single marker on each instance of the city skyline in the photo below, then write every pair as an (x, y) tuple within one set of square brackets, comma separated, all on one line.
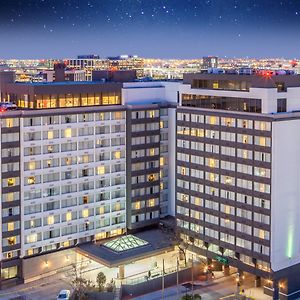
[(182, 29)]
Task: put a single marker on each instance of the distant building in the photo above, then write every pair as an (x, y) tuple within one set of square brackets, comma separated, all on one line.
[(210, 62), (127, 62)]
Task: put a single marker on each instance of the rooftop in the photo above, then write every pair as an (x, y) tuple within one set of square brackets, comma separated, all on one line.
[(138, 246)]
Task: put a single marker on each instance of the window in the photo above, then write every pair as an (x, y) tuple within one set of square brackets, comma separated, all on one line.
[(281, 105), (10, 272)]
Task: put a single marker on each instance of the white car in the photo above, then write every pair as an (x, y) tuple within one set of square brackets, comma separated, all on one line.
[(64, 295)]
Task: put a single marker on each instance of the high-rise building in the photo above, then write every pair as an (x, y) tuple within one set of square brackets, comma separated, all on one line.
[(69, 169), (90, 160), (237, 174)]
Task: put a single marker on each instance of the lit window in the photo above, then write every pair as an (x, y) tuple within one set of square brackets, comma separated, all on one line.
[(101, 170), (262, 141), (50, 220), (10, 226), (32, 238), (137, 205), (151, 202), (12, 240), (68, 216), (9, 122), (152, 152), (216, 85), (85, 213), (101, 210), (31, 180), (161, 161), (151, 113), (117, 154), (151, 177), (50, 135), (11, 181), (68, 132), (31, 165)]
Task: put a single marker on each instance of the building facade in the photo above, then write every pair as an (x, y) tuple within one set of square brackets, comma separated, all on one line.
[(87, 161), (69, 156), (233, 202)]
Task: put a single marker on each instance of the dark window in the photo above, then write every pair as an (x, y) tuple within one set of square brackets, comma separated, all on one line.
[(281, 105), (136, 218)]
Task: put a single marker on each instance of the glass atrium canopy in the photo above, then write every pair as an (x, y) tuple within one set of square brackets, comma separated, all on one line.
[(124, 243)]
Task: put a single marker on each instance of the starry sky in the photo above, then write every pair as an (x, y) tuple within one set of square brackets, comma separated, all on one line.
[(149, 28)]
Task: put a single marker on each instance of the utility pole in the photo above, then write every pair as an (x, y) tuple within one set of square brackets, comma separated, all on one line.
[(177, 278), (193, 275), (163, 280)]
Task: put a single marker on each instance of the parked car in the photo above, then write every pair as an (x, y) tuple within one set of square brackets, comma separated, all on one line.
[(64, 295)]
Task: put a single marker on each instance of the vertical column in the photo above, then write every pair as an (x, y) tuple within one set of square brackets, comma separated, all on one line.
[(121, 271), (226, 270)]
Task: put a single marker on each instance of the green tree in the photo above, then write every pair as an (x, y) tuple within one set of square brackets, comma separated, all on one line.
[(101, 279)]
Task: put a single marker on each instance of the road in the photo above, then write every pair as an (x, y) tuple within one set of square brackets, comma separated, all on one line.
[(213, 291)]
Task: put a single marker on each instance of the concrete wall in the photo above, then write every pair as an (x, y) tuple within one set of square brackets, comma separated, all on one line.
[(44, 265)]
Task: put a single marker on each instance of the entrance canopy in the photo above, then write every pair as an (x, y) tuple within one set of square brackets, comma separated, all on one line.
[(124, 243)]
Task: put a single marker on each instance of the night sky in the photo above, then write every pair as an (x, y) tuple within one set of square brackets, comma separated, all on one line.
[(149, 28)]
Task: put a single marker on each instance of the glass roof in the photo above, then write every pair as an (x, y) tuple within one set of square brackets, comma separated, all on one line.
[(126, 242)]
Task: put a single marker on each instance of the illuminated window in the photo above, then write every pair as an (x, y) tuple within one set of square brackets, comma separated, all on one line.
[(31, 165), (151, 177), (50, 220), (31, 238), (161, 124), (151, 202), (31, 180), (101, 170), (137, 205), (10, 226), (50, 135), (10, 197), (215, 85), (262, 141), (183, 171), (68, 216), (85, 213), (152, 152), (12, 240), (68, 132), (9, 122), (101, 210), (11, 181), (29, 252), (117, 155), (161, 161), (11, 272), (151, 113), (100, 236)]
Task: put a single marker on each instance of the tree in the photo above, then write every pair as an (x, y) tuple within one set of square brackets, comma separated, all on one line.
[(110, 287), (101, 279), (79, 284)]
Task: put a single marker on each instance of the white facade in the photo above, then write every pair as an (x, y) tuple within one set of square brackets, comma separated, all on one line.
[(285, 191), (73, 171)]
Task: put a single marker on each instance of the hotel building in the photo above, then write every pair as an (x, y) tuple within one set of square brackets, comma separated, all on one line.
[(238, 172), (86, 161), (74, 167)]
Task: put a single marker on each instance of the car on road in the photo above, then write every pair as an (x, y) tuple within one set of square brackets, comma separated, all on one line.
[(64, 295)]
